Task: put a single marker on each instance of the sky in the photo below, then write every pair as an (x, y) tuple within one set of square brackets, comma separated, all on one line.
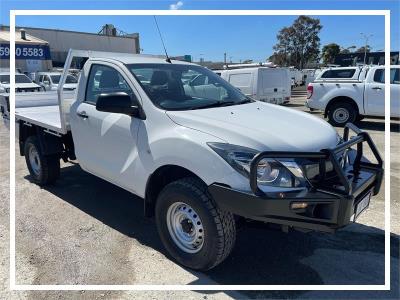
[(208, 37)]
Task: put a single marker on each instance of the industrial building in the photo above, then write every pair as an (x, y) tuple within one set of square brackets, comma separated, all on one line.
[(372, 58), (59, 42), (31, 53)]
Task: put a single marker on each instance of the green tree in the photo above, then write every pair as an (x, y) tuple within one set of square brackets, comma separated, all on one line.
[(299, 43), (362, 49), (347, 50), (329, 52)]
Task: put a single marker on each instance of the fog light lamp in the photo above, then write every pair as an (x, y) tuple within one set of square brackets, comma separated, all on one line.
[(299, 205)]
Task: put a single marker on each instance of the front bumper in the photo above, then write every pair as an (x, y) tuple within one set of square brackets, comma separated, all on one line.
[(330, 205)]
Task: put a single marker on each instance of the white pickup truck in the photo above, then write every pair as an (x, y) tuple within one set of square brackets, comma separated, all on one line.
[(200, 158), (347, 94)]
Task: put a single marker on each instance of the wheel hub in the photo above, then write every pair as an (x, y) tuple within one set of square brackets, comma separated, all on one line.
[(185, 227), (341, 115), (34, 160)]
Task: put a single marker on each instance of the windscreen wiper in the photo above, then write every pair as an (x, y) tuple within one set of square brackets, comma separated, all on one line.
[(216, 104)]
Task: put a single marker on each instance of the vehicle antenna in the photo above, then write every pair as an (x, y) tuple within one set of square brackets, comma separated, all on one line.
[(162, 41)]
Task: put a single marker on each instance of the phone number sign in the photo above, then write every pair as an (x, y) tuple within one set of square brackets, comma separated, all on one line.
[(26, 51)]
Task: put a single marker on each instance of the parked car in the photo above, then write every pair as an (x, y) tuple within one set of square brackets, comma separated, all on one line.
[(49, 81), (347, 94), (22, 83), (270, 85), (199, 155)]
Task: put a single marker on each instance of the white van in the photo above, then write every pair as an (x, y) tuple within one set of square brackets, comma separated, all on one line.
[(270, 85), (296, 76)]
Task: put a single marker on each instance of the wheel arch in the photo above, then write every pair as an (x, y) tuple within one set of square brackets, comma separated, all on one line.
[(158, 180), (341, 99)]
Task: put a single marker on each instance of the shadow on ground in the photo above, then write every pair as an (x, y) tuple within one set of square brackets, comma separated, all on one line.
[(354, 255)]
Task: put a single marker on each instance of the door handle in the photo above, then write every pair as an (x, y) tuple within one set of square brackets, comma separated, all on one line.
[(376, 88), (82, 115)]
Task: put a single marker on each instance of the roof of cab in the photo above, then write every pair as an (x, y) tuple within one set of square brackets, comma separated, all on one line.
[(140, 59)]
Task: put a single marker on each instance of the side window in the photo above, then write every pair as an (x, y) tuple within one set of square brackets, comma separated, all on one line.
[(395, 76), (104, 79), (379, 76), (41, 78), (339, 73)]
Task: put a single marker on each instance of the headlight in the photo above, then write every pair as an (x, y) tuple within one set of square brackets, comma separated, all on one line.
[(270, 172)]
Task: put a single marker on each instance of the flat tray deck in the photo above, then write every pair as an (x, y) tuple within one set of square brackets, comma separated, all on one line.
[(44, 116)]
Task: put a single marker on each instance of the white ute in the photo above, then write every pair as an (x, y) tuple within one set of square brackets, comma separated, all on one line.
[(347, 94), (49, 81), (22, 83), (200, 157)]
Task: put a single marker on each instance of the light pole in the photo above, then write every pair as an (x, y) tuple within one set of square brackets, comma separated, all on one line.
[(366, 37)]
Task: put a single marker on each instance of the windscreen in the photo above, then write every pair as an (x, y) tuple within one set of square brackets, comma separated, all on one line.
[(70, 79), (20, 78), (184, 87)]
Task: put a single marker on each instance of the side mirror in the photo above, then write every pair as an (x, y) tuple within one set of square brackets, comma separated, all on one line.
[(120, 103)]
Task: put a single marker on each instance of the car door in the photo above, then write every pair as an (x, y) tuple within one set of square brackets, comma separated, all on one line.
[(105, 143), (395, 92), (374, 95)]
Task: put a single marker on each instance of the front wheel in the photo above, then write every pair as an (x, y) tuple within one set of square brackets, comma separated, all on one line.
[(194, 231), (342, 113)]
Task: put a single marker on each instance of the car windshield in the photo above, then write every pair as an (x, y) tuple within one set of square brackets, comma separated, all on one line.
[(185, 87), (19, 78), (70, 79)]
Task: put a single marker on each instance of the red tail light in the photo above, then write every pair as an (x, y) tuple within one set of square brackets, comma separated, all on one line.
[(310, 90)]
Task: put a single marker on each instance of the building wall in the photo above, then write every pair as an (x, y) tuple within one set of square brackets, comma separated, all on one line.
[(61, 41), (28, 66)]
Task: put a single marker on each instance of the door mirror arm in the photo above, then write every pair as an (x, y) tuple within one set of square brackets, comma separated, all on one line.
[(137, 112)]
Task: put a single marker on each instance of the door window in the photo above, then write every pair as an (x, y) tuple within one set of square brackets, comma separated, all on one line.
[(379, 76), (105, 79)]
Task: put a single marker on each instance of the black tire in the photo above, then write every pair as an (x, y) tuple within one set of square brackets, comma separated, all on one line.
[(49, 166), (341, 113), (219, 226)]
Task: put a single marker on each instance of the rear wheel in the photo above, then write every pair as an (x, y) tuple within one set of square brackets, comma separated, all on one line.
[(193, 230), (43, 169), (341, 113)]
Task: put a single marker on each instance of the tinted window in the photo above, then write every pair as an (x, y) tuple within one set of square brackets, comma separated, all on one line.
[(339, 73), (104, 79), (379, 76), (184, 87)]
